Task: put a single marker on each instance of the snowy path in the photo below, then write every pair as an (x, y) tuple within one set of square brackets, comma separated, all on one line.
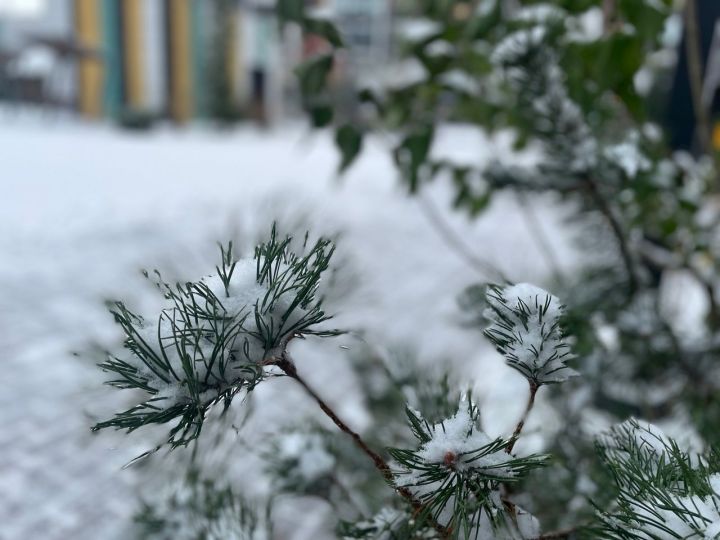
[(83, 208)]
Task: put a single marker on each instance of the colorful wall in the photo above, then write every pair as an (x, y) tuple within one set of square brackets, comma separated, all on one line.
[(157, 57)]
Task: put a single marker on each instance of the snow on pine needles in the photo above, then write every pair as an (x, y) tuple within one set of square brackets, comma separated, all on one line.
[(665, 492), (456, 472), (525, 329), (217, 335)]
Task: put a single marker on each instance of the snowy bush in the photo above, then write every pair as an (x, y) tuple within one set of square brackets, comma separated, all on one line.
[(224, 333), (453, 481), (561, 76)]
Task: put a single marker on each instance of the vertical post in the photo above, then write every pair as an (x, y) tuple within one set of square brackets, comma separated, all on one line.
[(133, 46), (696, 72), (180, 83), (90, 71), (113, 91), (232, 63), (201, 50)]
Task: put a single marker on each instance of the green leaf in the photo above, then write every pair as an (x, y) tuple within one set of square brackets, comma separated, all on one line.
[(321, 115), (325, 29), (412, 153), (290, 10), (313, 74), (349, 141)]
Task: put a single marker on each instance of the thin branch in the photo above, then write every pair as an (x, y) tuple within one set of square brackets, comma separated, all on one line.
[(693, 55), (534, 227), (380, 464), (608, 11), (617, 230), (359, 506), (518, 429), (288, 367), (557, 535), (456, 244)]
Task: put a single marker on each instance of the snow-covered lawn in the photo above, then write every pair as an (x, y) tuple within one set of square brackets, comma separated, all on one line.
[(83, 208)]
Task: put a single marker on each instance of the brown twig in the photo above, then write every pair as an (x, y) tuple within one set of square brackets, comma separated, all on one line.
[(456, 244), (518, 429), (608, 11), (380, 464), (617, 230), (288, 367), (535, 229), (557, 535)]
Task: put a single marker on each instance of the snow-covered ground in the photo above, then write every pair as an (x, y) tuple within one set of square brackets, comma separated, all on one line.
[(83, 208)]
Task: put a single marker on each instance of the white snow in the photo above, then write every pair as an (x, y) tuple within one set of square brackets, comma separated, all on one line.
[(517, 44), (458, 444), (536, 347), (169, 333), (460, 81), (35, 61), (455, 438), (588, 26), (628, 156), (699, 519), (662, 513), (440, 47), (308, 453), (85, 207), (540, 13)]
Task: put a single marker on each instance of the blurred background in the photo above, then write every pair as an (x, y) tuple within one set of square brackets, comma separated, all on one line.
[(137, 62), (138, 133)]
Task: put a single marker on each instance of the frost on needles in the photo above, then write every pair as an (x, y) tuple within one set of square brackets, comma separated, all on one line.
[(217, 336), (456, 474), (525, 329), (664, 492)]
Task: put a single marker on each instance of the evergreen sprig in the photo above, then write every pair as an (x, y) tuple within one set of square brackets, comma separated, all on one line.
[(662, 490), (217, 335), (525, 328), (456, 472)]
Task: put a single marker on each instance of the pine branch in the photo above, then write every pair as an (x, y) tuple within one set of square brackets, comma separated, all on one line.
[(530, 404), (288, 367), (286, 364), (456, 244), (618, 232), (535, 228)]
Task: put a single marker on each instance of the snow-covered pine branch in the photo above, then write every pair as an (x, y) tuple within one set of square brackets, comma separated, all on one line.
[(456, 472), (664, 492), (217, 335), (525, 328)]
